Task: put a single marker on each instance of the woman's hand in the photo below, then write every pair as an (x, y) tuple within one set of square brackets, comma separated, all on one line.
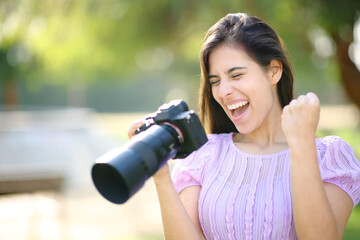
[(300, 119), (163, 171), (133, 126)]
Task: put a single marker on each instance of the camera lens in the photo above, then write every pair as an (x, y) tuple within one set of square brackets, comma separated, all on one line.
[(120, 173)]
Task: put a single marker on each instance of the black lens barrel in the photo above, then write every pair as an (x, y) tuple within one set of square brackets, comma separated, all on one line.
[(120, 173)]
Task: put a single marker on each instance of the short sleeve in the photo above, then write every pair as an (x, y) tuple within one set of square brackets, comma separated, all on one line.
[(338, 165), (189, 171)]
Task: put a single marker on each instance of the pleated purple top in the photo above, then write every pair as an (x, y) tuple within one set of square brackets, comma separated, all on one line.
[(247, 196)]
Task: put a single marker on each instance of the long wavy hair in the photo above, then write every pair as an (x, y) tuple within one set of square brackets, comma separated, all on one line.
[(261, 43)]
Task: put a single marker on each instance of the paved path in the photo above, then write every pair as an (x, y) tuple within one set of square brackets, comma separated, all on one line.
[(78, 211), (79, 215)]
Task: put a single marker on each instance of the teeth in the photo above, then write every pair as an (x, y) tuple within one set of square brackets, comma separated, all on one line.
[(236, 105)]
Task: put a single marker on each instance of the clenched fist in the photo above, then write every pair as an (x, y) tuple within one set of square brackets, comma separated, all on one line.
[(300, 119)]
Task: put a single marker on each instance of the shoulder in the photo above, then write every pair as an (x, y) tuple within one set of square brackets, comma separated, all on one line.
[(329, 140), (335, 151), (338, 165), (332, 144), (190, 170), (216, 137), (214, 141), (206, 152)]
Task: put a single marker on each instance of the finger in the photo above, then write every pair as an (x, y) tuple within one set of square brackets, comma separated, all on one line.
[(133, 126), (296, 103), (286, 111), (293, 102), (302, 99), (313, 98)]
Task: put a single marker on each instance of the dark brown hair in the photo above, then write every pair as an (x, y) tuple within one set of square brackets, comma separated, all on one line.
[(261, 43)]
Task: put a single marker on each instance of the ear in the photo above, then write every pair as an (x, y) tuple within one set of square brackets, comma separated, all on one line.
[(275, 71)]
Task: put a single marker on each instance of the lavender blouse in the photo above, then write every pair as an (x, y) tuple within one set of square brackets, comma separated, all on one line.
[(247, 196)]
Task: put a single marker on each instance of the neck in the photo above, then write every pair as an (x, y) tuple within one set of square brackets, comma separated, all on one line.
[(268, 134)]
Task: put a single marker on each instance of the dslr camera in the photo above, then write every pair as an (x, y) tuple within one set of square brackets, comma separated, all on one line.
[(171, 132)]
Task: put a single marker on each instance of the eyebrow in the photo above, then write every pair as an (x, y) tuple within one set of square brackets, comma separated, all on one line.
[(228, 71)]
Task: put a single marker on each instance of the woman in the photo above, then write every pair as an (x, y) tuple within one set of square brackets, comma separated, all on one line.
[(262, 174)]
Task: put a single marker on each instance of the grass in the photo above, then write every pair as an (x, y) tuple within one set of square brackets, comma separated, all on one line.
[(352, 231)]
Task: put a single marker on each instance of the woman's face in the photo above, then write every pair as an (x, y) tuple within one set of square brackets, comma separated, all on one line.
[(242, 87)]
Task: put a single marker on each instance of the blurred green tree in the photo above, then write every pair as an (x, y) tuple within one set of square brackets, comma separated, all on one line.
[(338, 20), (15, 53), (64, 41)]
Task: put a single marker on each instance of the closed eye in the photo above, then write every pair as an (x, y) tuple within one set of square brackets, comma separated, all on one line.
[(236, 76), (214, 82)]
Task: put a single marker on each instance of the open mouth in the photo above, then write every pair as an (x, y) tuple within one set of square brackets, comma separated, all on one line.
[(238, 108)]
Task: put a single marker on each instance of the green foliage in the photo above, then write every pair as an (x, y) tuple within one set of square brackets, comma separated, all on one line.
[(331, 14), (92, 40), (352, 231)]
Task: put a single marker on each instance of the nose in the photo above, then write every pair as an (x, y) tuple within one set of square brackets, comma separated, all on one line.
[(225, 89)]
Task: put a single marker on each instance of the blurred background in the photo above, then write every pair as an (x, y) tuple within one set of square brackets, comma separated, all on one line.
[(74, 74)]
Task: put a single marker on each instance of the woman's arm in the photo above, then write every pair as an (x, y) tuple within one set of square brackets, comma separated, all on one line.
[(320, 210), (179, 214), (341, 205)]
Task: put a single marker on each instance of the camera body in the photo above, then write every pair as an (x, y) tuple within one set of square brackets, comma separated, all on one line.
[(171, 132), (191, 134)]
